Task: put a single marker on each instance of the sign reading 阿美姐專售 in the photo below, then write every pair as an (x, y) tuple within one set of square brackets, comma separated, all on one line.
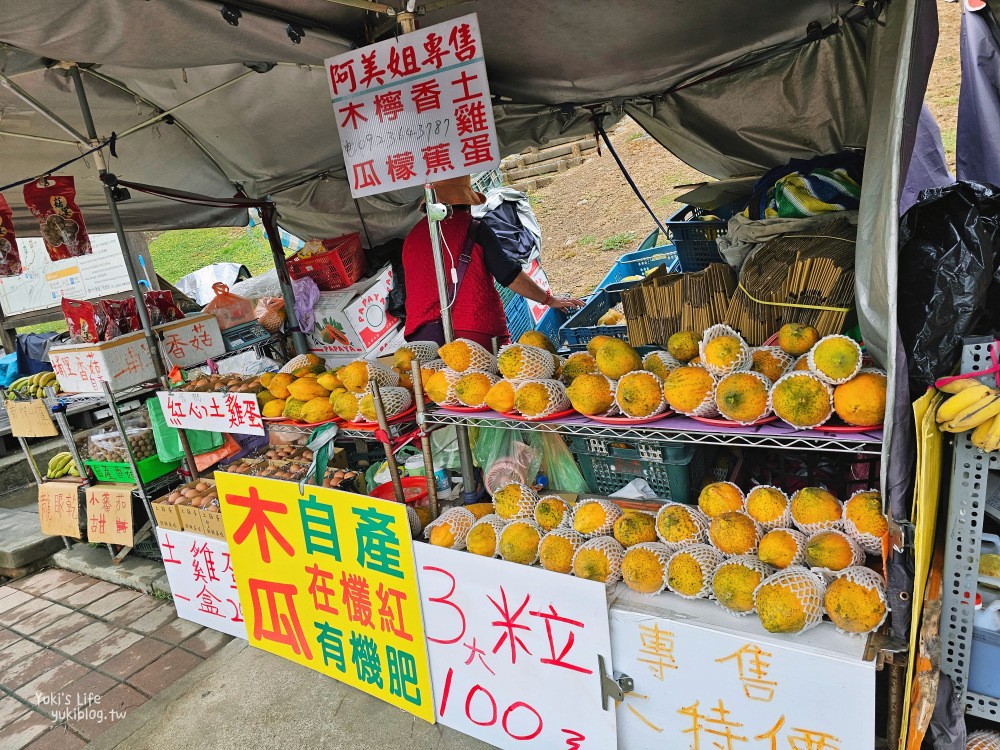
[(414, 109), (327, 579)]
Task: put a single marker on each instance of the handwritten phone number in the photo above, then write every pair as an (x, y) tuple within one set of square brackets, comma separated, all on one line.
[(406, 135)]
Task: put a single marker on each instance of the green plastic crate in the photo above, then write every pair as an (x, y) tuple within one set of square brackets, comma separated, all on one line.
[(673, 470), (121, 473)]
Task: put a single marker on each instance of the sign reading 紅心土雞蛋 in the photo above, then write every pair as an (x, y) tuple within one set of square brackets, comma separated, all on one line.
[(237, 413), (327, 579), (414, 109), (514, 651)]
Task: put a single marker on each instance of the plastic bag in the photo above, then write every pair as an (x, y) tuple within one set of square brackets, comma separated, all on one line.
[(949, 276), (504, 458), (229, 309), (168, 441), (558, 464), (107, 445), (306, 296), (270, 312)]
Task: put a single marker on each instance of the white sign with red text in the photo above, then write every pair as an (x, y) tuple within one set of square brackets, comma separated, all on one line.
[(414, 109), (201, 580), (538, 276), (213, 412), (514, 651)]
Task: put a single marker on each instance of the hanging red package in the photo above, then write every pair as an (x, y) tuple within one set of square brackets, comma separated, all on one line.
[(10, 256), (52, 200)]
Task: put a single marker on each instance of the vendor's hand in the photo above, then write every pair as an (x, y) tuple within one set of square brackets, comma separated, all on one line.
[(568, 304)]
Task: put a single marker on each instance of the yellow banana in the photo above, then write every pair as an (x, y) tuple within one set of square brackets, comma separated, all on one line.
[(957, 386), (980, 434), (961, 401), (992, 440), (976, 414)]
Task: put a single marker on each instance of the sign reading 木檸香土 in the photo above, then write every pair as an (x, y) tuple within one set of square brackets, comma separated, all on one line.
[(414, 109)]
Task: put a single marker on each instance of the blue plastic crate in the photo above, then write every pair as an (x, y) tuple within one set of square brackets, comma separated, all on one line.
[(582, 327), (697, 241), (550, 324), (516, 309), (639, 262)]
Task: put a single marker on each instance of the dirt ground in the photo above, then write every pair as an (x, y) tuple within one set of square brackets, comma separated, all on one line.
[(589, 216)]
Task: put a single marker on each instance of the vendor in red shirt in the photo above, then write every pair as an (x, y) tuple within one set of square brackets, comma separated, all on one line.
[(476, 311)]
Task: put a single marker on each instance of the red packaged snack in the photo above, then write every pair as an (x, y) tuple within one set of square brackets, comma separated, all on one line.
[(160, 304), (85, 321), (52, 200), (10, 256), (121, 316)]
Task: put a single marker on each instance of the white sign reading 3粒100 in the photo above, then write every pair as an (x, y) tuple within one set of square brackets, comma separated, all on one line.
[(414, 109)]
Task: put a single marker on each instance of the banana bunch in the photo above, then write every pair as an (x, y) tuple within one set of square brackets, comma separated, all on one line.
[(61, 465), (972, 406), (32, 387)]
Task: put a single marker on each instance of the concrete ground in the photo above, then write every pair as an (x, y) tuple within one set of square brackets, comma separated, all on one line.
[(22, 544)]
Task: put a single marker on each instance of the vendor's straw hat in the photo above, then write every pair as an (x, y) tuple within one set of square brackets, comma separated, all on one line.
[(457, 191)]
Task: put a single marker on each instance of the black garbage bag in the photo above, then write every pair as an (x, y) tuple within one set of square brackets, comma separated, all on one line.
[(949, 276)]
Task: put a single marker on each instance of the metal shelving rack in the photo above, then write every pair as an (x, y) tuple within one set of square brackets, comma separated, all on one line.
[(966, 505)]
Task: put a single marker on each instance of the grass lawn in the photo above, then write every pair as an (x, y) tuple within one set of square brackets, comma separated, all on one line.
[(177, 253)]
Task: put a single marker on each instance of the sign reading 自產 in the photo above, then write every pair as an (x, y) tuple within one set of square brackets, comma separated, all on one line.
[(327, 579), (414, 109), (200, 572), (514, 651), (213, 412)]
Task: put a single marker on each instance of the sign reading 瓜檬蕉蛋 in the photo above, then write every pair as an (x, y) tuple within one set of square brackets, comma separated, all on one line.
[(327, 579), (414, 109)]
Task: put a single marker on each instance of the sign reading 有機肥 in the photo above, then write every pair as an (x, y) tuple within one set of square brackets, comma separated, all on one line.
[(201, 578), (414, 109), (327, 579), (213, 412), (514, 651)]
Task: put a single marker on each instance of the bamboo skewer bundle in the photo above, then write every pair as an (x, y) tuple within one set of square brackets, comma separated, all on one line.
[(659, 307), (807, 278)]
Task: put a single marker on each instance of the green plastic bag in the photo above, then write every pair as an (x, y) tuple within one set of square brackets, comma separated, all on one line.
[(168, 441), (558, 463)]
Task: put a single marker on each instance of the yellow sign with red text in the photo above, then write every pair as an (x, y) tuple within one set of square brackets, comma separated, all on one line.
[(327, 579)]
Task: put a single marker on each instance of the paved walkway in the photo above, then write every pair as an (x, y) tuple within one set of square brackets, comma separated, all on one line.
[(77, 655)]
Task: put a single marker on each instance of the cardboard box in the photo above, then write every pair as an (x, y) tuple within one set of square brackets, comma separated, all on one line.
[(59, 507), (109, 514), (354, 321), (168, 516), (212, 525), (191, 518), (191, 341)]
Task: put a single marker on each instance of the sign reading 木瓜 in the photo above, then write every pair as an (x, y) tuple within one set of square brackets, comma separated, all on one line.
[(200, 572), (514, 651), (327, 579), (213, 412), (415, 109)]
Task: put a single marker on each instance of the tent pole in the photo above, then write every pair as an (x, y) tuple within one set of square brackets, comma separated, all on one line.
[(116, 220), (268, 217)]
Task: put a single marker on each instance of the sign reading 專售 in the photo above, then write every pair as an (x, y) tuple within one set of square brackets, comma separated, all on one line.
[(327, 579), (414, 109)]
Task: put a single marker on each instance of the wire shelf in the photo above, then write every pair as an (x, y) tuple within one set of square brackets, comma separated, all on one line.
[(396, 430), (676, 429)]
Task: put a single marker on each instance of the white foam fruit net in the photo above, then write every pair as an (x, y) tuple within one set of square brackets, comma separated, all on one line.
[(513, 501), (869, 542), (807, 587), (414, 520), (575, 540), (555, 396), (520, 361), (708, 558), (716, 536), (666, 359), (479, 357), (521, 554), (458, 520), (451, 377), (644, 567), (824, 400), (584, 513), (846, 341), (687, 515), (750, 562), (462, 394), (765, 494), (743, 359), (423, 351), (294, 364), (800, 544), (782, 359), (434, 364), (567, 518), (811, 528), (382, 375), (983, 739), (868, 579), (395, 400), (653, 385), (729, 413), (610, 549), (707, 407), (496, 523), (857, 554)]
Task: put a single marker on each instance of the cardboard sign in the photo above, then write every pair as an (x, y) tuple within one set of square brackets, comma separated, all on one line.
[(109, 514), (705, 679), (59, 508), (538, 276), (200, 573), (328, 581), (213, 412), (191, 341), (514, 651), (353, 321), (414, 109), (84, 368), (30, 419)]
